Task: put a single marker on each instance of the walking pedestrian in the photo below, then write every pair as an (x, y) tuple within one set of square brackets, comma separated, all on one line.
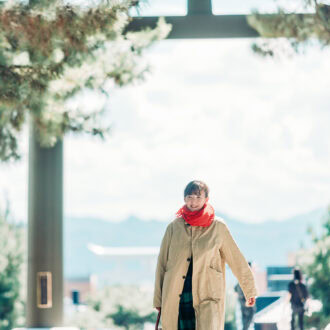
[(298, 294), (246, 311), (190, 274)]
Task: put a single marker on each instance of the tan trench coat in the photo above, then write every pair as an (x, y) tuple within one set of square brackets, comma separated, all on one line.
[(211, 247)]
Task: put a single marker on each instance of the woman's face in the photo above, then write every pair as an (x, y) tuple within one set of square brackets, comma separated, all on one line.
[(196, 202)]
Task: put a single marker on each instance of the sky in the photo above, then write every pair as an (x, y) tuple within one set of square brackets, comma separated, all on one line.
[(255, 130)]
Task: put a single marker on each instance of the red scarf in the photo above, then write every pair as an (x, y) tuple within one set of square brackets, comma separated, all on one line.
[(202, 217)]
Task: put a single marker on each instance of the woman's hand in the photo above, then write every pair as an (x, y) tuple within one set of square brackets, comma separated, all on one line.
[(251, 302)]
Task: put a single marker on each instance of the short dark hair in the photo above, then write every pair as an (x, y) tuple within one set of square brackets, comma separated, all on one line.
[(195, 188), (297, 274)]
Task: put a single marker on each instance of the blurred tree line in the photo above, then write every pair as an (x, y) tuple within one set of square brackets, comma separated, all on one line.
[(130, 307), (116, 307), (12, 273), (315, 262), (131, 319)]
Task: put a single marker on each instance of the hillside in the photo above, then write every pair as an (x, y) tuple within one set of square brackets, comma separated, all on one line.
[(266, 243)]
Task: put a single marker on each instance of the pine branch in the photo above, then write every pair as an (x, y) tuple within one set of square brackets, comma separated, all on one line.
[(49, 54)]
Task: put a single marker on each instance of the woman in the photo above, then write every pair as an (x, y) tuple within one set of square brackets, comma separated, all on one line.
[(190, 274), (298, 295)]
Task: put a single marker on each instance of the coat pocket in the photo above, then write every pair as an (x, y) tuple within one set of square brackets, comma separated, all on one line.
[(208, 315), (215, 279)]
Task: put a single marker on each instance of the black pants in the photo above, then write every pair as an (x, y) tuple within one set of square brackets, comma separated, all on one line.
[(247, 315), (297, 310), (186, 319)]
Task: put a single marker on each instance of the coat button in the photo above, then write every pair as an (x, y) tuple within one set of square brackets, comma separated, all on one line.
[(188, 259), (183, 276)]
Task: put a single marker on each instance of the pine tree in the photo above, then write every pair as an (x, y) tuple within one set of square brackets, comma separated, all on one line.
[(316, 264), (11, 262), (50, 52), (289, 33)]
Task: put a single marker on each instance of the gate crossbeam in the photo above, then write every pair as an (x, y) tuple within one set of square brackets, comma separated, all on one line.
[(202, 26)]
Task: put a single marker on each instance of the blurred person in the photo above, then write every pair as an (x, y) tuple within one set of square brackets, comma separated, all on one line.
[(247, 311), (190, 275), (298, 294)]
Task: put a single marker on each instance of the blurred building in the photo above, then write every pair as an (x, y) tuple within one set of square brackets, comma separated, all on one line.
[(78, 289), (126, 265), (273, 311), (278, 278), (260, 276)]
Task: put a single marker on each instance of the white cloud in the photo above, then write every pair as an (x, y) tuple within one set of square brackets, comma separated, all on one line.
[(255, 130)]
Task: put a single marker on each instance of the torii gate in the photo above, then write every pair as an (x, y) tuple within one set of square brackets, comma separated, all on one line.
[(45, 185)]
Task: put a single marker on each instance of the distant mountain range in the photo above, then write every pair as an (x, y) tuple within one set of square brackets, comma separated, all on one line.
[(266, 243)]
